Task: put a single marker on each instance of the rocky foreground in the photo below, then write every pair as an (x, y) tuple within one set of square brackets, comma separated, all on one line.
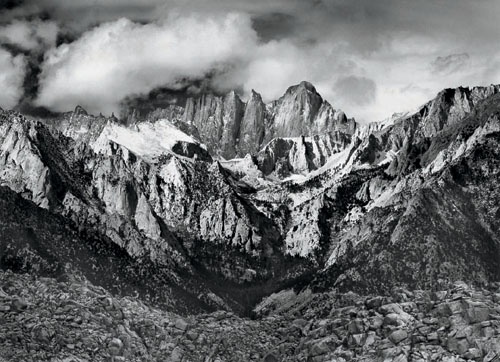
[(43, 319)]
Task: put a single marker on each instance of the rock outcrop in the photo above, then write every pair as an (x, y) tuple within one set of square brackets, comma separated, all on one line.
[(232, 128), (217, 120), (409, 202), (300, 155), (301, 111), (217, 204)]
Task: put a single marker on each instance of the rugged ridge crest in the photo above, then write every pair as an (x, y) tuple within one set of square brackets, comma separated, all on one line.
[(263, 195)]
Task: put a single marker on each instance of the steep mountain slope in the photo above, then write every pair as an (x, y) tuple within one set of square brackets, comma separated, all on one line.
[(232, 128), (168, 205), (412, 201), (436, 223), (32, 240)]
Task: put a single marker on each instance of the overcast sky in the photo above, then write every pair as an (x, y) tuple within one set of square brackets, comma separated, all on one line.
[(369, 58)]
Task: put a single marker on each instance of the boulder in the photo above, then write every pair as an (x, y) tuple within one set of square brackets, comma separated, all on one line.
[(398, 336)]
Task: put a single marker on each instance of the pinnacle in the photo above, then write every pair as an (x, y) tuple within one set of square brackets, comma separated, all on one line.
[(80, 110)]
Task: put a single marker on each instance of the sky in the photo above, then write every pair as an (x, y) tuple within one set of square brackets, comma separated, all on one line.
[(369, 58)]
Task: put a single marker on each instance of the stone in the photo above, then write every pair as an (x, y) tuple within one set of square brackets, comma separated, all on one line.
[(370, 338), (301, 323), (473, 354), (443, 310), (456, 307), (432, 337), (496, 298), (356, 326), (176, 355), (459, 346), (488, 332), (357, 340), (319, 348), (478, 314), (374, 303), (43, 333), (270, 357), (490, 356), (464, 332), (398, 336), (192, 335), (439, 295), (19, 304), (115, 346), (391, 319), (400, 358), (376, 322), (181, 324), (389, 354)]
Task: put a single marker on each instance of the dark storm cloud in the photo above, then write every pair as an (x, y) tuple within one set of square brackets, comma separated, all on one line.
[(367, 47), (275, 26), (10, 4), (360, 22), (84, 13)]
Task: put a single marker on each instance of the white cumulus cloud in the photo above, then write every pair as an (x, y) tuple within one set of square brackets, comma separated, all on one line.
[(121, 58), (29, 35), (12, 70), (369, 66)]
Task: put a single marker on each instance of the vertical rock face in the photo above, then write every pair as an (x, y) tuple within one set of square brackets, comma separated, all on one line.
[(206, 114), (21, 164), (253, 126), (231, 123), (303, 112), (217, 120), (296, 112), (373, 206), (231, 128)]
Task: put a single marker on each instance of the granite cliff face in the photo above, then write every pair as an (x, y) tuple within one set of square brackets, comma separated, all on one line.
[(246, 198), (232, 128)]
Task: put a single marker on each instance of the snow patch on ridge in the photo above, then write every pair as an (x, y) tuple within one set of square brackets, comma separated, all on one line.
[(147, 140)]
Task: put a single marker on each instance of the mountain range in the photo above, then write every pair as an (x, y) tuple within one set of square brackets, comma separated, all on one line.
[(214, 203)]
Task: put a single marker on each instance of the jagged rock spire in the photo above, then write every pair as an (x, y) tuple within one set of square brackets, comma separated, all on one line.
[(79, 110)]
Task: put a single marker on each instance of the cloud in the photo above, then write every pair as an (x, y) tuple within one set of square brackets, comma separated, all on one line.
[(369, 58), (29, 35), (121, 58), (450, 63), (359, 91), (80, 15), (11, 78), (273, 26)]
